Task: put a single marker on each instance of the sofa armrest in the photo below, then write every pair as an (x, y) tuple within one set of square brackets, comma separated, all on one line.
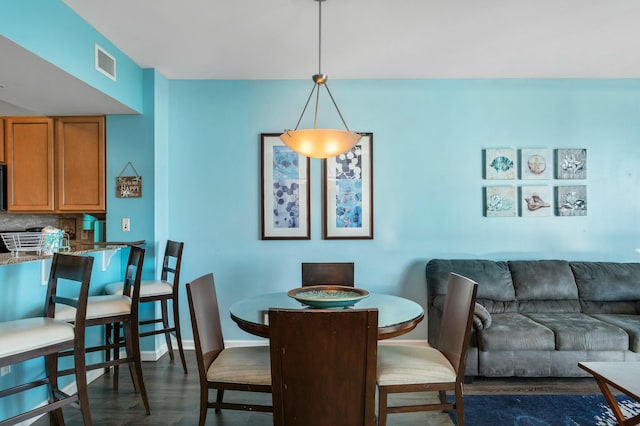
[(481, 316)]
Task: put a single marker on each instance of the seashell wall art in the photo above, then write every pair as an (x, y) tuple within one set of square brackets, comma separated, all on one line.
[(540, 200)]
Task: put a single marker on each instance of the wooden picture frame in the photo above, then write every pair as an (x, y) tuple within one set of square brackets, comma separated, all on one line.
[(348, 193), (284, 191)]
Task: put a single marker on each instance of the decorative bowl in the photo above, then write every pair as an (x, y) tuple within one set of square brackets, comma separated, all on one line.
[(328, 296)]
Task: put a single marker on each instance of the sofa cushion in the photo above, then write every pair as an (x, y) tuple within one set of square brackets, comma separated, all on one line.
[(549, 306), (543, 280), (607, 281), (629, 323), (513, 331), (493, 278), (604, 307), (582, 332)]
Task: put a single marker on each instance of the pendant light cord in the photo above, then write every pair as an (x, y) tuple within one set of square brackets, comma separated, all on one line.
[(321, 81), (319, 36)]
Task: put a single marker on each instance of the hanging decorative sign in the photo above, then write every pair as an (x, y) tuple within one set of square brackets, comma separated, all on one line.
[(129, 186)]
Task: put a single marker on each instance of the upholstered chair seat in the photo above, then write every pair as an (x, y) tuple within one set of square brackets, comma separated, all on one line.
[(33, 333), (248, 365), (406, 365), (99, 307), (147, 288)]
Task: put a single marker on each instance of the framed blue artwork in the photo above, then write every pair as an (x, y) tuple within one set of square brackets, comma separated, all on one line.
[(284, 191), (348, 192)]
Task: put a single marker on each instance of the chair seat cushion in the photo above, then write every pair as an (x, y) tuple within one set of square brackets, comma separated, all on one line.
[(404, 365), (32, 333), (97, 307), (147, 288), (246, 365)]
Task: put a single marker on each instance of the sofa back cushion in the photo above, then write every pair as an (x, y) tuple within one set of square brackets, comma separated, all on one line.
[(544, 286), (495, 288), (608, 287)]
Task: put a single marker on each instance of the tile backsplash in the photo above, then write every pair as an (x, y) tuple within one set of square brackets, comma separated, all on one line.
[(20, 222)]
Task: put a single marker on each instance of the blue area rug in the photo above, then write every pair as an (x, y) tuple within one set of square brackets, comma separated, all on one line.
[(542, 410)]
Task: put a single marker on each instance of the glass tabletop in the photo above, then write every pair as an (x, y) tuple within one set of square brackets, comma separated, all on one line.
[(396, 315)]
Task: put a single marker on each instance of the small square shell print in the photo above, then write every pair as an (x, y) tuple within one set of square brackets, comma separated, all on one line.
[(500, 201), (500, 163), (536, 201), (572, 200), (571, 164), (536, 164)]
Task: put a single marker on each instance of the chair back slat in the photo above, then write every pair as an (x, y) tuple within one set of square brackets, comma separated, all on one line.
[(172, 261), (457, 319), (205, 320), (323, 365), (73, 272), (328, 273)]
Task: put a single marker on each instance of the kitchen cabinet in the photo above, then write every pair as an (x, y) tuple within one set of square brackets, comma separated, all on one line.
[(80, 164), (29, 149), (56, 165), (1, 140)]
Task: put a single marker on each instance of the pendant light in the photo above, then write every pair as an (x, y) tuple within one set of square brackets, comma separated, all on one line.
[(320, 143)]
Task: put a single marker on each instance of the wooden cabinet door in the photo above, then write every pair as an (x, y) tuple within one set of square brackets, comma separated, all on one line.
[(80, 164), (2, 140), (29, 152)]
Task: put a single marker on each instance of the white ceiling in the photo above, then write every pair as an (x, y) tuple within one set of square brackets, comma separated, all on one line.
[(372, 39)]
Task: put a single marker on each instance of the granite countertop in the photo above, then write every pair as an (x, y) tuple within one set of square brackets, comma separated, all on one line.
[(9, 259)]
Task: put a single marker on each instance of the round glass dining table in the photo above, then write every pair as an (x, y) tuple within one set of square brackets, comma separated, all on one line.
[(396, 315)]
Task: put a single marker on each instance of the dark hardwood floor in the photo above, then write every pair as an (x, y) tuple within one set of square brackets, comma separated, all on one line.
[(173, 397)]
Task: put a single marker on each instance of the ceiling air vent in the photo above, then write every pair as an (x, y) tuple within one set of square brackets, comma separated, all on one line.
[(105, 63)]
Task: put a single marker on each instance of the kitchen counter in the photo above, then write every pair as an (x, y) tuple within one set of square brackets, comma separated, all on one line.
[(9, 259)]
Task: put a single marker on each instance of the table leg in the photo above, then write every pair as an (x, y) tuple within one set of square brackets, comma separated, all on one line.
[(613, 403)]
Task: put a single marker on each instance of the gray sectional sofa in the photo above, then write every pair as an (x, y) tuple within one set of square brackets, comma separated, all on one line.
[(539, 318)]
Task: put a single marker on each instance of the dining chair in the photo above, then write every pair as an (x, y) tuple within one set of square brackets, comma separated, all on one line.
[(404, 368), (323, 366), (244, 368), (323, 273), (163, 291), (113, 310), (25, 339)]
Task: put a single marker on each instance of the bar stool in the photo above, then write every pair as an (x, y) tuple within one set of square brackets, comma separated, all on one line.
[(118, 309), (29, 338), (162, 290)]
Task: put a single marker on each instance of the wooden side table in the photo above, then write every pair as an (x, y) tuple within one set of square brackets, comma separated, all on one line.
[(623, 376)]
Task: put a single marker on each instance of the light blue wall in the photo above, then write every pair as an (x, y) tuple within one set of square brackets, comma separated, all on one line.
[(53, 31), (196, 144), (429, 136)]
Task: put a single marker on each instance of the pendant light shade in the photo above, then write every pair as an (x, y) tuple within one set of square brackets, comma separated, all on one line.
[(320, 143)]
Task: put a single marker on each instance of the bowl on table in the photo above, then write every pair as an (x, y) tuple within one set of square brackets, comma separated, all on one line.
[(328, 296)]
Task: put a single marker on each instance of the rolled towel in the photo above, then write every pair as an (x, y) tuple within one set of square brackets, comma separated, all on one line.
[(481, 317)]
